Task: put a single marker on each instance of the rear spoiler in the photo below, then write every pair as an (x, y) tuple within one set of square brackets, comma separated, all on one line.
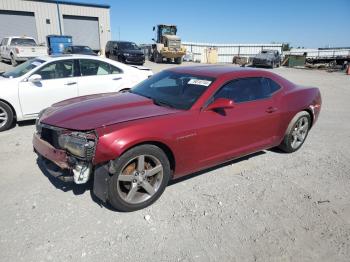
[(140, 67)]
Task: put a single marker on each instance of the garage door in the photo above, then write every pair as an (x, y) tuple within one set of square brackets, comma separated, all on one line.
[(15, 23), (84, 30)]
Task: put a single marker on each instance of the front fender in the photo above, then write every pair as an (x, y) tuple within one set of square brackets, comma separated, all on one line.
[(113, 142)]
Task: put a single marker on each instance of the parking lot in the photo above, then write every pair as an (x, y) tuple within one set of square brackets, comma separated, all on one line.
[(269, 206)]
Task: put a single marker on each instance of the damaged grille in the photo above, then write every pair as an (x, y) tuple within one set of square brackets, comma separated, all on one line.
[(50, 135)]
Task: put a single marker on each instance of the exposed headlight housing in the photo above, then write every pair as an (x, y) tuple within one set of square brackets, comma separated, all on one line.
[(37, 121), (78, 144)]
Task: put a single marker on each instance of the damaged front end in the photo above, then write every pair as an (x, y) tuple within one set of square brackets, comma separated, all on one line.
[(70, 150)]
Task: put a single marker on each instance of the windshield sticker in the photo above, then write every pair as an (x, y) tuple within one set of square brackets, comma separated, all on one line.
[(36, 63), (199, 82)]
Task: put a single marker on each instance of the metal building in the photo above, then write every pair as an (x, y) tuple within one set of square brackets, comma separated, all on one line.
[(226, 52), (88, 24)]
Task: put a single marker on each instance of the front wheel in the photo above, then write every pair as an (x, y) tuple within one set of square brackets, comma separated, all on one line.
[(139, 178), (6, 116), (296, 133), (178, 60), (13, 60)]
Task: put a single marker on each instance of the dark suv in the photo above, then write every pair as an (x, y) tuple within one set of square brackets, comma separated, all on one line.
[(269, 58), (125, 52)]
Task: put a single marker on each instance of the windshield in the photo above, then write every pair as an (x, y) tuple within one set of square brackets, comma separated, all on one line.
[(23, 68), (168, 31), (173, 89), (128, 46), (82, 49), (23, 41)]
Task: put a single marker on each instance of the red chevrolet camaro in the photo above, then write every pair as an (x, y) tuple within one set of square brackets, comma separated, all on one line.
[(177, 122)]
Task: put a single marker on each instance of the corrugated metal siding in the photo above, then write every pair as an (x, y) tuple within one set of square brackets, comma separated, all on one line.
[(226, 52), (44, 10), (17, 24), (89, 36)]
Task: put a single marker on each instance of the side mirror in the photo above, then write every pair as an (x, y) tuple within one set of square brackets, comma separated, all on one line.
[(153, 39), (221, 103), (34, 78), (154, 28)]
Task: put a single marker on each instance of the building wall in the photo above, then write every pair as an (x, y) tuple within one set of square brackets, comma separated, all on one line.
[(44, 10), (226, 52)]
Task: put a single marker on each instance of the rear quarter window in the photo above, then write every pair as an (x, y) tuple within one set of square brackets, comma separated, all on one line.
[(248, 89)]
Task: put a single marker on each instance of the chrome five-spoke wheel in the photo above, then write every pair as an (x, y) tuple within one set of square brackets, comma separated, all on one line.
[(297, 132), (300, 131), (139, 177)]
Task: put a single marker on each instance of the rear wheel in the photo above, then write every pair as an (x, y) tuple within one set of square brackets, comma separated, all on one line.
[(297, 132), (6, 116), (140, 177)]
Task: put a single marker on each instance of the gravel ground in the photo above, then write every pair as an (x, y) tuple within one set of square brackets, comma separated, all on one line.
[(267, 207)]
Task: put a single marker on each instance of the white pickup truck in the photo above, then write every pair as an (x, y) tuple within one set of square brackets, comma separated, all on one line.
[(19, 48)]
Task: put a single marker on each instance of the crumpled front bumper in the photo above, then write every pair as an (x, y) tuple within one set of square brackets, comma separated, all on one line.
[(57, 156)]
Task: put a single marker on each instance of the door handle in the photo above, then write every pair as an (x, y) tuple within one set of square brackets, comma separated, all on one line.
[(117, 78), (271, 109), (70, 83)]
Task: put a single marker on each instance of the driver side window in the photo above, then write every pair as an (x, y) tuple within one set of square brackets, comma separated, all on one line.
[(56, 70)]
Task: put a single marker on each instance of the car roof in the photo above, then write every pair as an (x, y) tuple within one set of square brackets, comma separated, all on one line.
[(214, 70), (23, 36), (122, 42), (67, 56)]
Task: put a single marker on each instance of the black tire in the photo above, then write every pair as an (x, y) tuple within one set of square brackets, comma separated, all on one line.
[(287, 143), (13, 60), (6, 116), (117, 198), (178, 60)]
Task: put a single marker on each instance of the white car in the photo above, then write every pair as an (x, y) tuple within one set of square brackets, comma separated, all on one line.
[(40, 82)]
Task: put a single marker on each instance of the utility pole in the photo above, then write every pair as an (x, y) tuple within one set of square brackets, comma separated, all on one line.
[(59, 16)]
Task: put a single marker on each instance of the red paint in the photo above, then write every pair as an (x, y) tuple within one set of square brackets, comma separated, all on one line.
[(199, 137)]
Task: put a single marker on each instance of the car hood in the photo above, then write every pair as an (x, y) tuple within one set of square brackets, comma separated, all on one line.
[(264, 56), (130, 51), (94, 111)]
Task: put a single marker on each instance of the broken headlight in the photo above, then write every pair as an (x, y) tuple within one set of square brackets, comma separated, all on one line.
[(78, 144), (37, 121)]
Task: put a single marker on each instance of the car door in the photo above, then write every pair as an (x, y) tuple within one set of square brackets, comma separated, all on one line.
[(97, 76), (58, 82), (248, 127)]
